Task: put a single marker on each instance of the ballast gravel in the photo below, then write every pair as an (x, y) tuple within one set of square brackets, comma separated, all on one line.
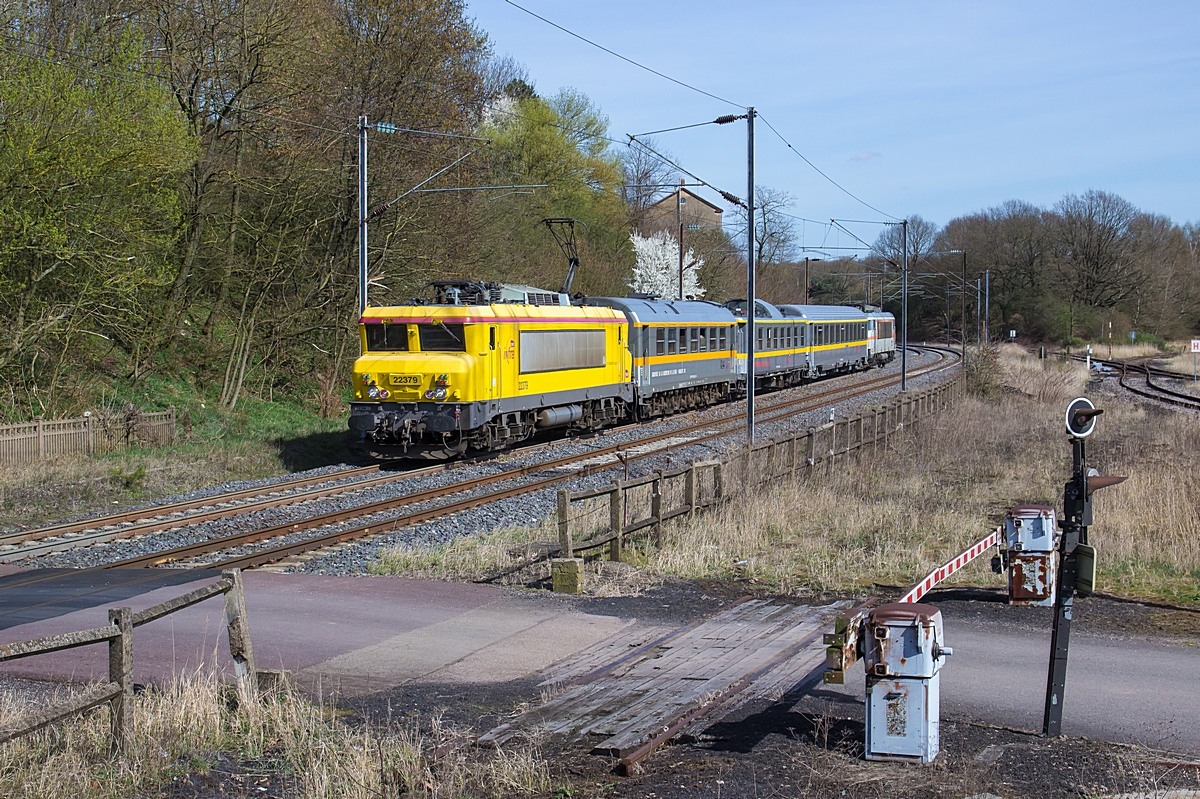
[(529, 509)]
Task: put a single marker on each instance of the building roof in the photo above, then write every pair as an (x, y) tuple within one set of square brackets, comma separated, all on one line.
[(668, 202)]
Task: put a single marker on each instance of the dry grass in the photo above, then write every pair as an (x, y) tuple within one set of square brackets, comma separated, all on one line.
[(181, 728), (893, 515), (1047, 380), (1123, 351), (52, 489)]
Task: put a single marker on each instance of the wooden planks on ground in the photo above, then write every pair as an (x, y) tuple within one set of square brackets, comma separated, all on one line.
[(622, 693)]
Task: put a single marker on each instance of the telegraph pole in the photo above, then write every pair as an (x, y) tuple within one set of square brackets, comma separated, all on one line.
[(987, 306), (750, 276), (978, 312), (362, 215), (964, 308), (679, 219), (904, 307)]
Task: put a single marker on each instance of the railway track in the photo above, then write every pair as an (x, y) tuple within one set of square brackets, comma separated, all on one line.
[(1141, 368), (470, 493)]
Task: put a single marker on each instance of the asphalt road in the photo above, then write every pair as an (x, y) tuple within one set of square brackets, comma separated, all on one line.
[(1121, 687), (362, 634)]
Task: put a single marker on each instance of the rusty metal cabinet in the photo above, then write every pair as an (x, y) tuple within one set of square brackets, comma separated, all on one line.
[(904, 655), (1031, 554)]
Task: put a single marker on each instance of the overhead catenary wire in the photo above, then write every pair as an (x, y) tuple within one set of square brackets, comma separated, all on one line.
[(626, 59), (722, 120), (727, 195), (817, 169)]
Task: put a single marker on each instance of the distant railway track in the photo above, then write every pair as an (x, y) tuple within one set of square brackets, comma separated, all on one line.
[(147, 520), (1139, 368)]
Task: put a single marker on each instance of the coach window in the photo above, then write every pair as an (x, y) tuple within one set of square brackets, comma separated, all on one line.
[(721, 337), (695, 337), (491, 338), (703, 339), (672, 341), (660, 341), (683, 340)]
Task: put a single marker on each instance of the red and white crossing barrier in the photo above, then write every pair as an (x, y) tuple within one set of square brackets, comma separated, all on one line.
[(950, 567)]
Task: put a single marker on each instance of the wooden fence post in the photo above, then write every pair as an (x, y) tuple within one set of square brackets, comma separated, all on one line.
[(120, 671), (616, 520), (238, 625), (41, 437), (564, 524), (718, 482), (795, 456), (689, 490), (656, 505)]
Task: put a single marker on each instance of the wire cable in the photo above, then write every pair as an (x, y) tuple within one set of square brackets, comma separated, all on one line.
[(725, 120), (842, 188), (625, 58), (728, 196)]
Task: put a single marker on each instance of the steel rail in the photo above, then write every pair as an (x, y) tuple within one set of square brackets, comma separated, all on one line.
[(263, 557), (153, 512), (1167, 395), (241, 539), (47, 542), (157, 518)]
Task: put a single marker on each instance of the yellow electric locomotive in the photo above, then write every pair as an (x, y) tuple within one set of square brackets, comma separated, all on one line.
[(483, 366)]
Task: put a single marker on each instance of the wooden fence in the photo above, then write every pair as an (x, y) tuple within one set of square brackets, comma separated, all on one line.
[(96, 434), (119, 634), (656, 498)]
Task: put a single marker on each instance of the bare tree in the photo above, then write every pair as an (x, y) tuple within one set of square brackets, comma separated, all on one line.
[(922, 239), (647, 178), (1094, 254), (774, 228)]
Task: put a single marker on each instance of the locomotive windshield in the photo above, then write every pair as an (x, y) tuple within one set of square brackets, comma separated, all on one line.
[(440, 337), (387, 338)]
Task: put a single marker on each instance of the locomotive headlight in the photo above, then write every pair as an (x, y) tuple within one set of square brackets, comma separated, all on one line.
[(384, 393), (428, 395), (440, 394), (373, 392)]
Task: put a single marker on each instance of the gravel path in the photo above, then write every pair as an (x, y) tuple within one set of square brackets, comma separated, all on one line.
[(527, 509)]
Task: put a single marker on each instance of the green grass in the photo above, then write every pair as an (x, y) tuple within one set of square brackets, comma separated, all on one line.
[(254, 440)]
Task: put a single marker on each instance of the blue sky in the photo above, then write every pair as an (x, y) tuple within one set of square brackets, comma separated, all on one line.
[(930, 108)]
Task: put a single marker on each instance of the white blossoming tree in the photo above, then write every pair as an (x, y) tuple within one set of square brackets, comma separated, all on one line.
[(657, 269)]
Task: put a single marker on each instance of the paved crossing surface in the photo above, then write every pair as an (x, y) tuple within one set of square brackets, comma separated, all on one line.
[(343, 634)]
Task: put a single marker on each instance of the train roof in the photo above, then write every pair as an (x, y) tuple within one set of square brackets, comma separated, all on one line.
[(822, 313), (762, 309), (645, 311)]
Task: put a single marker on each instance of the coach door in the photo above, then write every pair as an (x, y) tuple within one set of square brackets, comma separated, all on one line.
[(492, 371)]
